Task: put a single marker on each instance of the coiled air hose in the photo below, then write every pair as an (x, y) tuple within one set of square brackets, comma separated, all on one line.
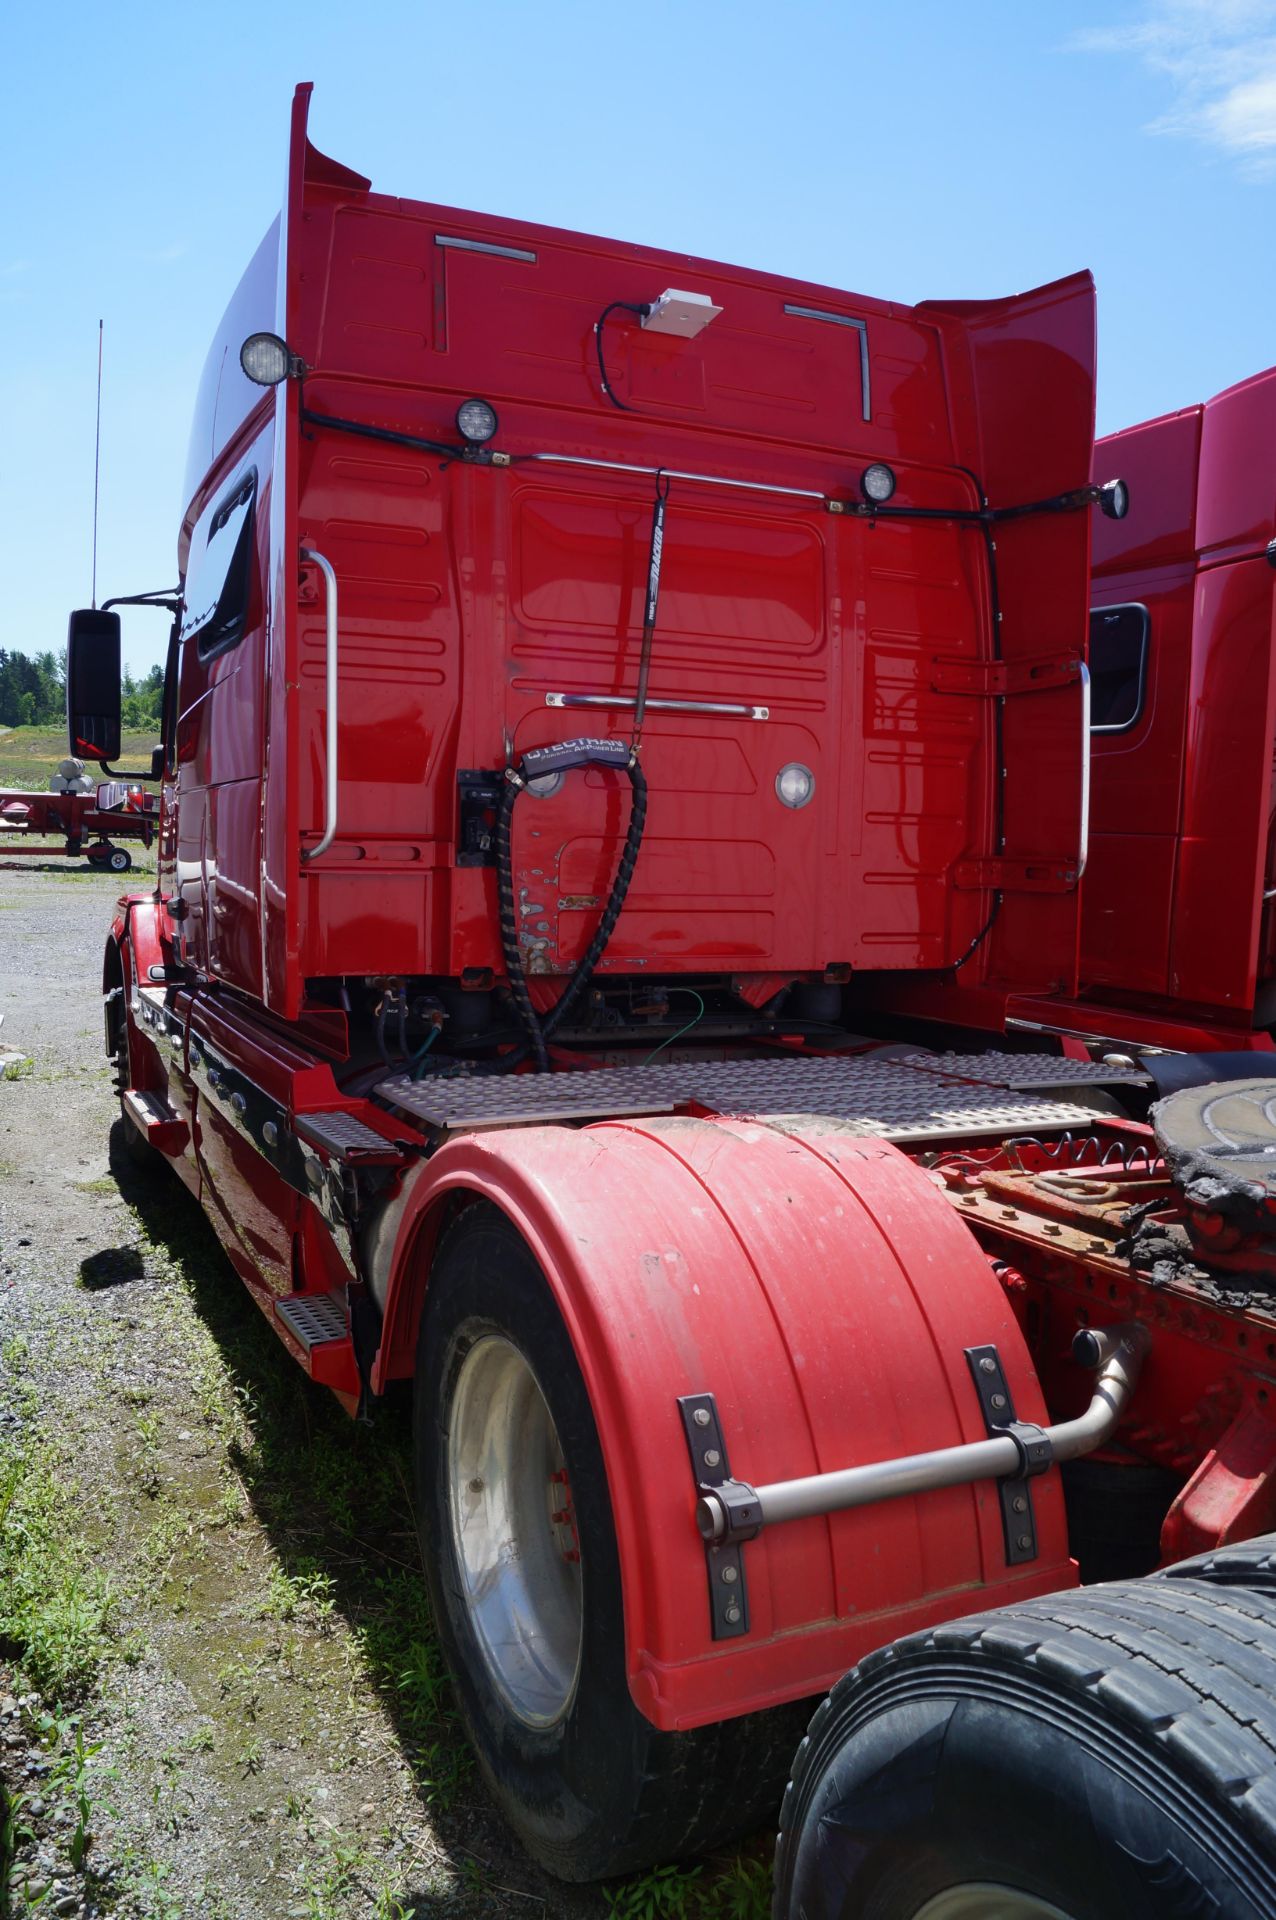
[(536, 765)]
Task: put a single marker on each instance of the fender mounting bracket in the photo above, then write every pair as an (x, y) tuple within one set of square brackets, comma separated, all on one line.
[(1018, 1521), (724, 1560)]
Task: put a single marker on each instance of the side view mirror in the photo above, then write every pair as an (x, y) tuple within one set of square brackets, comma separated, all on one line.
[(93, 684), (157, 763)]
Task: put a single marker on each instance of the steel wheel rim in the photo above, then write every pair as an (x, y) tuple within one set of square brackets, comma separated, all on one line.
[(514, 1533), (983, 1900)]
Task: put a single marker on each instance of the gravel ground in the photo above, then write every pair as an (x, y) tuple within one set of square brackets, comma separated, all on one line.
[(219, 1593)]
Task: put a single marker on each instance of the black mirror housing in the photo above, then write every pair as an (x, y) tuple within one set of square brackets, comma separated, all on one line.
[(93, 684), (157, 763)]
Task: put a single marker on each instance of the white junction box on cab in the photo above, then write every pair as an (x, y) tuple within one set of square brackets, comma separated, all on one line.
[(685, 314)]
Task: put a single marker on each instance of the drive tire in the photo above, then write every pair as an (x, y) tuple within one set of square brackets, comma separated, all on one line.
[(597, 1790), (1104, 1755), (1244, 1563)]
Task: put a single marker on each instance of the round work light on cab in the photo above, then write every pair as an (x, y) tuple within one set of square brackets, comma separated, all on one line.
[(476, 422), (267, 360), (877, 483), (1114, 499)]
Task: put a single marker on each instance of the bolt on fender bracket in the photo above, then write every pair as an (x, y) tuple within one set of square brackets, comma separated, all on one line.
[(724, 1560), (1018, 1521)]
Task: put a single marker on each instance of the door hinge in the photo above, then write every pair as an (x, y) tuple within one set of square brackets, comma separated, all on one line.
[(990, 679), (1016, 876)]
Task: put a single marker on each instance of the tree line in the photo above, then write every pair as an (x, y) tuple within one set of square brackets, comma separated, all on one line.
[(33, 692)]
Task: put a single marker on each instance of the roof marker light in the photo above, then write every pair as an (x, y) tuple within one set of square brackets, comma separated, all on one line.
[(681, 313), (877, 483)]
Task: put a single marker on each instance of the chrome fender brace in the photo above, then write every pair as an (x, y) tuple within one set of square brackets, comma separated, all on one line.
[(731, 1512)]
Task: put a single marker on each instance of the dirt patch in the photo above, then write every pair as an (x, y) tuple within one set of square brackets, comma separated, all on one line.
[(220, 1693)]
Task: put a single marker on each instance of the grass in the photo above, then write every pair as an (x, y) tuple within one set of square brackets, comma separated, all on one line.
[(56, 1604), (28, 755), (269, 1545)]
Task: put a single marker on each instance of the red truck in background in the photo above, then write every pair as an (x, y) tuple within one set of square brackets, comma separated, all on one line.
[(595, 672), (1178, 936)]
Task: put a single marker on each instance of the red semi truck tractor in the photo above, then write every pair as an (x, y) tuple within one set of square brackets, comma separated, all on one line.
[(594, 668)]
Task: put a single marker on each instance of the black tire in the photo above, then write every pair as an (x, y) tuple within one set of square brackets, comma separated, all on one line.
[(600, 1791), (1110, 1754), (119, 860), (1247, 1563)]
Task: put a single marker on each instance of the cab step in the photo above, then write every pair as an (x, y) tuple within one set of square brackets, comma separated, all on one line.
[(320, 1325), (158, 1125), (314, 1319)]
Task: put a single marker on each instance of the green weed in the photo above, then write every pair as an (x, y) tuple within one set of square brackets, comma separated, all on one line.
[(70, 1775), (55, 1607)]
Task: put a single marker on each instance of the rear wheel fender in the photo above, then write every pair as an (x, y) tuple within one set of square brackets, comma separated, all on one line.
[(824, 1291)]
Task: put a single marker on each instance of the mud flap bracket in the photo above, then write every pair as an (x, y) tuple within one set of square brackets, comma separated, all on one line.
[(724, 1560), (1018, 1521)]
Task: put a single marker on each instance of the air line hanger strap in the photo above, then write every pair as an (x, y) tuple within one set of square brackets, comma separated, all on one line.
[(651, 604)]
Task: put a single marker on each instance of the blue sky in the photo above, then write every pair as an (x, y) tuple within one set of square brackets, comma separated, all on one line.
[(901, 150)]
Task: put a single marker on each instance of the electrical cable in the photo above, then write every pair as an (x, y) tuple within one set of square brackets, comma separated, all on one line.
[(611, 913), (417, 1067), (640, 311), (540, 1032), (338, 425), (696, 1016)]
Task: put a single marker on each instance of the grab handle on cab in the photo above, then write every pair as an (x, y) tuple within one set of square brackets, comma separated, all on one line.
[(330, 687)]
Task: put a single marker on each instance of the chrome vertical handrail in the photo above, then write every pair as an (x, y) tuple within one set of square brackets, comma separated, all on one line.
[(330, 683)]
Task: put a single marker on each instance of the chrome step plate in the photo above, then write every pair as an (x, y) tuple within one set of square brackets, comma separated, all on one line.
[(313, 1319), (881, 1098)]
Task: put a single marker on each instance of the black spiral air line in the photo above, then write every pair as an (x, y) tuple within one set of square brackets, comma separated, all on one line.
[(578, 753)]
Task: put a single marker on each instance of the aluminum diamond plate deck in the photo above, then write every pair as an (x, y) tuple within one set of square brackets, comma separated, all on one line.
[(1023, 1071), (884, 1098)]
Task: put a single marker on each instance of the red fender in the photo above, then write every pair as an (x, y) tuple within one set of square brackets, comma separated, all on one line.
[(142, 924), (824, 1291), (134, 947)]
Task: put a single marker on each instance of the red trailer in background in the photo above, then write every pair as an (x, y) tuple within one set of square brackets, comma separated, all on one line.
[(88, 823), (598, 674)]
